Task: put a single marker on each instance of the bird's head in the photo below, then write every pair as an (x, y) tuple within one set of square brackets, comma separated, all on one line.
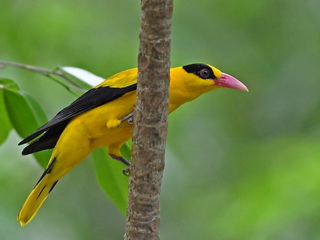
[(203, 77)]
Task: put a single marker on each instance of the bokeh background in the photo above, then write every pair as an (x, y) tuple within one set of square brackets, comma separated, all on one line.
[(239, 165)]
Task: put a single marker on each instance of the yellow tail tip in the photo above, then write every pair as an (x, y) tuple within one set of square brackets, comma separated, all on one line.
[(22, 223)]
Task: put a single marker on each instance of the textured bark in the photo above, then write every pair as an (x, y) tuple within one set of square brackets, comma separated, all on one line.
[(150, 121)]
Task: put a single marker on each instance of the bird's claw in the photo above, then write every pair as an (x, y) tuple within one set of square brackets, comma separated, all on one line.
[(126, 172), (130, 120), (129, 117)]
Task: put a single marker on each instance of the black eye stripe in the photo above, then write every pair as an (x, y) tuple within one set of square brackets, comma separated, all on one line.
[(198, 69)]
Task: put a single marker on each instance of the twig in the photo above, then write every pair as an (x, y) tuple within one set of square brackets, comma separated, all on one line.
[(67, 87), (44, 71)]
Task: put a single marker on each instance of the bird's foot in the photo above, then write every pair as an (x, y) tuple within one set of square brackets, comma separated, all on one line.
[(129, 117), (125, 171), (121, 159)]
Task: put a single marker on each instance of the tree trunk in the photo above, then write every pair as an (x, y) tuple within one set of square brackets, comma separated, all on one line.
[(150, 121)]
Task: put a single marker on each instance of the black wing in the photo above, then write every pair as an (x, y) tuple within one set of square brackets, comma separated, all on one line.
[(95, 97)]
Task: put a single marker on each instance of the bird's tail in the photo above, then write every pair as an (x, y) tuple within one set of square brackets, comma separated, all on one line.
[(36, 197)]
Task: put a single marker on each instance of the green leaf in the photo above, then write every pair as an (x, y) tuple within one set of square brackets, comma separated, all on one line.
[(126, 150), (26, 116), (5, 125), (20, 112), (43, 157), (81, 77), (8, 84), (110, 177), (39, 113)]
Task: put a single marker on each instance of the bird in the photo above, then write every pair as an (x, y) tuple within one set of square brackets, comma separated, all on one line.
[(103, 116)]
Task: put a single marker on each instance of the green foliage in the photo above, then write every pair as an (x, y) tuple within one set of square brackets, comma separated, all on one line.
[(239, 165), (80, 77), (107, 169), (26, 115), (4, 119), (23, 113), (110, 177)]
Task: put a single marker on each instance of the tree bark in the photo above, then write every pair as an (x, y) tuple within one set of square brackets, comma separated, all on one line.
[(150, 121)]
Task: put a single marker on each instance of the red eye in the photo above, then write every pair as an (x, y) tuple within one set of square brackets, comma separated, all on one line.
[(204, 73)]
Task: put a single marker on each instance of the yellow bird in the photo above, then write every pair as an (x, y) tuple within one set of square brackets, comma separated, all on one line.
[(103, 117)]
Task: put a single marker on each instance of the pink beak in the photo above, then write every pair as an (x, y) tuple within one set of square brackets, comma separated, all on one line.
[(230, 82)]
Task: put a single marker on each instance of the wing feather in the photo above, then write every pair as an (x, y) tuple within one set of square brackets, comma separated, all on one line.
[(95, 97)]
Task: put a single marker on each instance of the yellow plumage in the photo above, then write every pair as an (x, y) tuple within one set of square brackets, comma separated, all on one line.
[(101, 125)]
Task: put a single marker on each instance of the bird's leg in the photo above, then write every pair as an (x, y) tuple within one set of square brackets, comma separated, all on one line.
[(129, 117), (121, 159), (125, 171)]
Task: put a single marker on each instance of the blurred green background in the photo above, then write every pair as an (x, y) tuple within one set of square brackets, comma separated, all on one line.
[(239, 165)]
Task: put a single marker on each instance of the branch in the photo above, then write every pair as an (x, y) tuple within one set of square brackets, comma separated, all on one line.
[(150, 121), (44, 71)]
